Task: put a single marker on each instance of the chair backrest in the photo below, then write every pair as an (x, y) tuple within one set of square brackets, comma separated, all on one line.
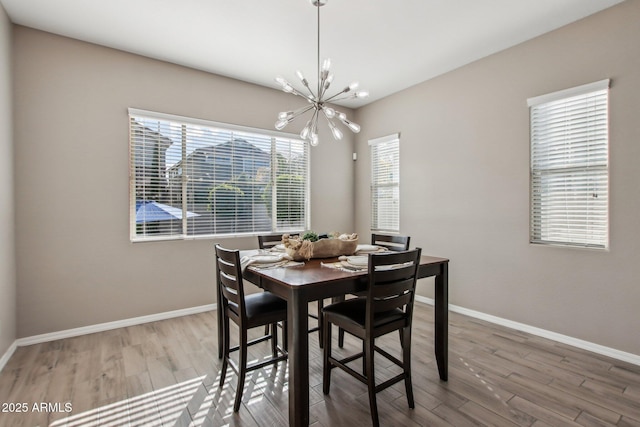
[(268, 241), (229, 277), (392, 282), (391, 242)]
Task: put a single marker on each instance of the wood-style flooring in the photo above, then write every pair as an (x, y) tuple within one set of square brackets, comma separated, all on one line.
[(166, 373)]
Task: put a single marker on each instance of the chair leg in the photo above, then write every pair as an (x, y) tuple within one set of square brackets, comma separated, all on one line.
[(364, 358), (266, 329), (320, 326), (326, 368), (340, 330), (220, 337), (340, 337), (225, 349), (371, 382), (406, 361), (219, 317), (274, 339), (242, 365)]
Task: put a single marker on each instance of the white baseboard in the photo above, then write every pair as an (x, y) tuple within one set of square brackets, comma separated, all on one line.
[(68, 333), (7, 355), (565, 339)]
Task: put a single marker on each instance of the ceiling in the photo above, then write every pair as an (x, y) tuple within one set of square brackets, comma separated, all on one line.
[(387, 45)]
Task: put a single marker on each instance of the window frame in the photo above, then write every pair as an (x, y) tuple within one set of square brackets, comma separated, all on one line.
[(376, 184), (276, 137), (572, 162)]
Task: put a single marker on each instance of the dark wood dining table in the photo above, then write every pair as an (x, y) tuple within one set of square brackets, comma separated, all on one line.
[(303, 284)]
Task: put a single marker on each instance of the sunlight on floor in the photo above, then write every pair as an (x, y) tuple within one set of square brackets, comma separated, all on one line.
[(151, 409), (194, 402), (488, 386)]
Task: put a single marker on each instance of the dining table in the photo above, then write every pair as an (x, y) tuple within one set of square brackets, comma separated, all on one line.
[(314, 280)]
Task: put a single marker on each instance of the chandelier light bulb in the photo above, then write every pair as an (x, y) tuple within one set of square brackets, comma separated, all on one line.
[(328, 81), (329, 112), (285, 85), (326, 64), (305, 131), (304, 81), (280, 124), (337, 134), (355, 128)]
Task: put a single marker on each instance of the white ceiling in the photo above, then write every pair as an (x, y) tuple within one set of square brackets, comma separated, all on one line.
[(387, 45)]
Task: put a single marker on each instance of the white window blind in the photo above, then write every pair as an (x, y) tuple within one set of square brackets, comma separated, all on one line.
[(385, 183), (192, 177), (569, 167)]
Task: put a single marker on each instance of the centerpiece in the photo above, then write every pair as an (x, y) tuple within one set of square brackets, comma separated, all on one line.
[(310, 245)]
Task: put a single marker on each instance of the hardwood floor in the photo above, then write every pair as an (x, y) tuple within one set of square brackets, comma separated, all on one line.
[(166, 374)]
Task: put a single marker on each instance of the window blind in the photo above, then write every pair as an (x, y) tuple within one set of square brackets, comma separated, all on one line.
[(569, 167), (385, 183), (193, 178)]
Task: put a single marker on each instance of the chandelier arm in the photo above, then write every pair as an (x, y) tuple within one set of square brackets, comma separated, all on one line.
[(322, 91), (321, 88), (353, 95), (301, 111), (314, 122), (305, 83), (313, 95), (334, 99), (342, 92), (302, 95), (326, 82)]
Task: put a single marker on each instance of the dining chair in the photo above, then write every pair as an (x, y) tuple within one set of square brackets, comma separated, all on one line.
[(388, 307), (247, 311), (268, 241), (392, 243)]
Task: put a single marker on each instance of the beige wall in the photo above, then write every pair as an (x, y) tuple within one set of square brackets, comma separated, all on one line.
[(7, 246), (465, 186), (464, 156), (75, 264)]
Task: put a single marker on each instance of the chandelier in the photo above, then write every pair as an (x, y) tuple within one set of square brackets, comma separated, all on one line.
[(319, 99)]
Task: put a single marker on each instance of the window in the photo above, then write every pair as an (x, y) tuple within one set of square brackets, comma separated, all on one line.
[(385, 183), (569, 167), (192, 178)]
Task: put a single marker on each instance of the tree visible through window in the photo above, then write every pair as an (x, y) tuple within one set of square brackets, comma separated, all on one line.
[(569, 167), (196, 178)]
